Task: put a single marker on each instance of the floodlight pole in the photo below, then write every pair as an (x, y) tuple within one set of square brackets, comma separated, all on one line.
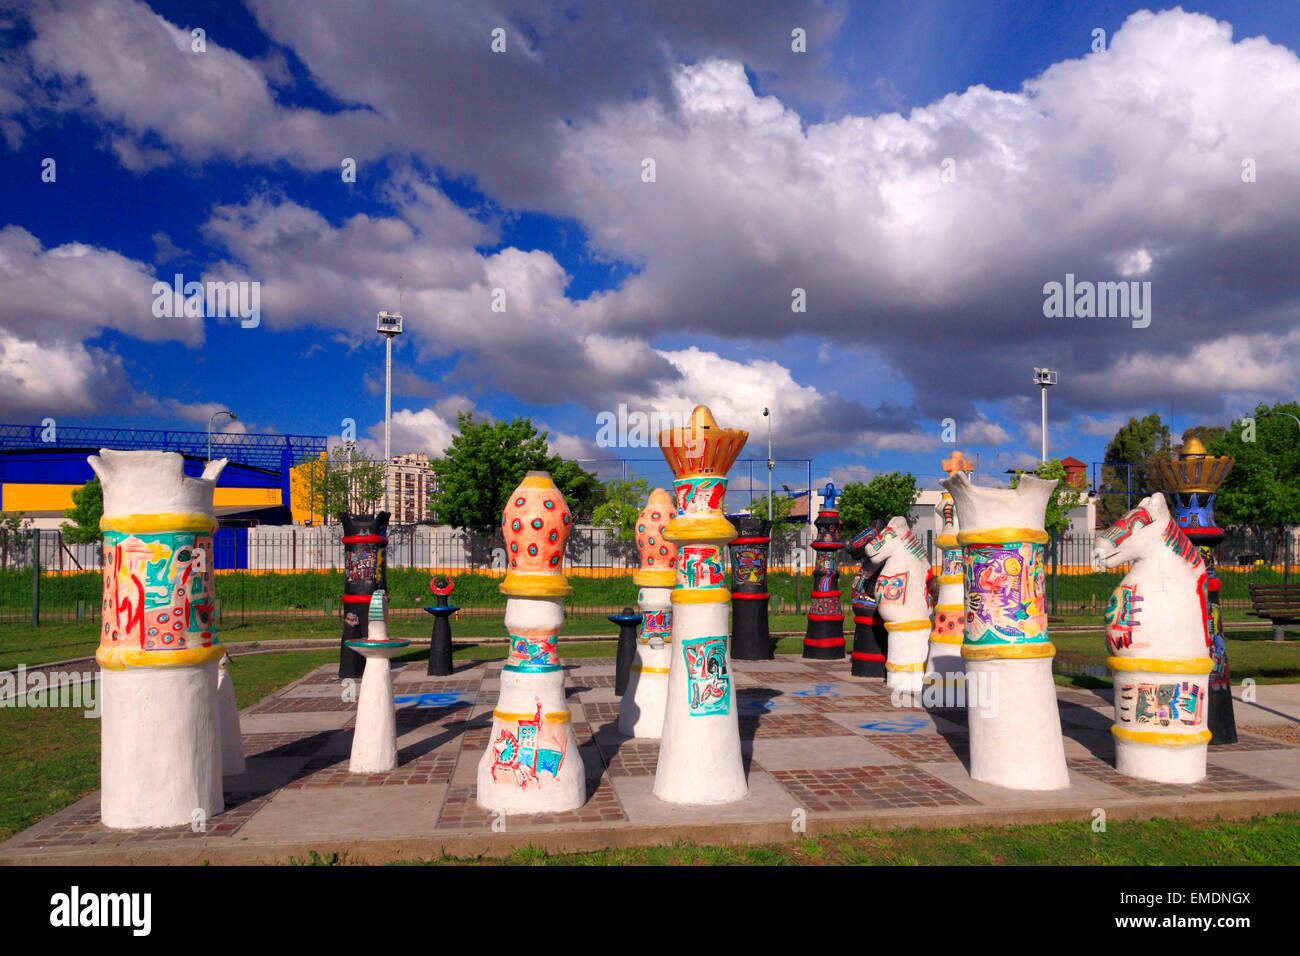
[(389, 324), (1044, 378), (215, 416), (770, 464)]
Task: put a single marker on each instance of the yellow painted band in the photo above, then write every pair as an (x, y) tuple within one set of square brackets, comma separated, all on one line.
[(560, 717), (119, 659), (1155, 665), (1155, 737), (973, 652), (701, 596), (951, 578), (946, 542), (523, 584), (945, 639), (650, 578), (649, 670), (904, 667), (537, 481), (700, 528), (144, 524), (1002, 536), (950, 608), (907, 625)]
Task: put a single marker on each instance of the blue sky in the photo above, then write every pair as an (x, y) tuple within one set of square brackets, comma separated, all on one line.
[(522, 171)]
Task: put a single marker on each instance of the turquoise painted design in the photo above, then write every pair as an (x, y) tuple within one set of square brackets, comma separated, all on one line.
[(1004, 594), (708, 682), (700, 496), (158, 591), (532, 656)]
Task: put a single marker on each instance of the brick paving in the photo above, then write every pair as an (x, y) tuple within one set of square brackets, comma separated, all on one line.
[(443, 735)]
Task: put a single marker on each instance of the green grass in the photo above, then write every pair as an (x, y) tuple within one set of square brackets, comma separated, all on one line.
[(1271, 840), (49, 757)]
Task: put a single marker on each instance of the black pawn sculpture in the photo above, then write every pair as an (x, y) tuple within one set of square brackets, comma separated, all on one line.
[(627, 622), (440, 639)]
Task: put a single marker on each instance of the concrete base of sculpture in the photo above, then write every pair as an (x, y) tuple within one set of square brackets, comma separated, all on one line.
[(160, 764), (1161, 762), (699, 756), (1015, 726), (944, 664), (641, 711), (905, 660), (532, 763), (374, 739), (232, 740)]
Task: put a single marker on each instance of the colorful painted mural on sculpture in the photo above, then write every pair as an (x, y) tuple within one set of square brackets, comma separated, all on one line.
[(1004, 594), (158, 591), (1162, 704), (708, 683), (536, 747)]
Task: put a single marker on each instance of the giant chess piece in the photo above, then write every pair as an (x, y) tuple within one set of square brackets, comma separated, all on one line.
[(870, 639), (625, 655), (902, 593), (374, 738), (161, 726), (232, 740), (1193, 479), (750, 638), (699, 757), (641, 709), (532, 763), (364, 541), (1015, 726), (944, 663), (824, 638), (440, 664), (1158, 635)]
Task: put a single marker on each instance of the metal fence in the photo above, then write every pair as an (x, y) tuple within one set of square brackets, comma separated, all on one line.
[(294, 572)]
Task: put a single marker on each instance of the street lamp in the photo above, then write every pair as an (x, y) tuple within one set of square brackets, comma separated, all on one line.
[(215, 416), (1044, 378), (388, 325), (770, 465)]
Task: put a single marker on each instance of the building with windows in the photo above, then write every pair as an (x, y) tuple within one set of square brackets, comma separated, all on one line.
[(410, 485)]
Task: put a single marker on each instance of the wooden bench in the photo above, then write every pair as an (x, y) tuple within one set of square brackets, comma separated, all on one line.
[(1280, 603)]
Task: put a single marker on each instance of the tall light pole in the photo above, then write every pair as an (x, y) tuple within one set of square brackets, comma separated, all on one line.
[(770, 464), (215, 416), (1044, 378), (389, 325)]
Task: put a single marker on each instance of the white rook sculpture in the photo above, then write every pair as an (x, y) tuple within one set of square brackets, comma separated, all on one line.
[(374, 738), (1159, 634), (161, 726), (641, 711), (1015, 726), (699, 756), (532, 763)]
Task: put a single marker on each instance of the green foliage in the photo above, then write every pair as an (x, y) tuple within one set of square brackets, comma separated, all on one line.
[(623, 502), (1064, 498), (487, 460), (1139, 441), (880, 499), (1264, 484), (87, 508), (782, 505), (347, 480)]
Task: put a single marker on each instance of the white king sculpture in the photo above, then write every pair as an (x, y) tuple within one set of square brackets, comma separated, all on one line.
[(532, 764), (699, 758), (1158, 634), (161, 759), (641, 711), (1015, 726)]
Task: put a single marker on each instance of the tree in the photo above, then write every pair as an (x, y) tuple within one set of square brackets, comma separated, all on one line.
[(784, 529), (880, 499), (87, 508), (487, 460), (1064, 498), (623, 503), (1264, 485), (1139, 441), (345, 480)]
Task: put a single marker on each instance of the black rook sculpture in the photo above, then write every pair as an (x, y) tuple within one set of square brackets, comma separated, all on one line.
[(364, 538), (824, 639), (750, 638), (440, 639)]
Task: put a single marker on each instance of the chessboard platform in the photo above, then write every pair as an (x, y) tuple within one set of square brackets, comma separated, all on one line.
[(824, 752)]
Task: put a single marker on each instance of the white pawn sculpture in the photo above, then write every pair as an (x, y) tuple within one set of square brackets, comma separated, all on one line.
[(232, 741), (1159, 637), (161, 754), (1015, 725), (641, 710), (903, 601), (532, 763), (699, 757), (374, 737)]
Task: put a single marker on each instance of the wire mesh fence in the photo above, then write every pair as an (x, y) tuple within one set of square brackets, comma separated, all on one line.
[(295, 572)]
